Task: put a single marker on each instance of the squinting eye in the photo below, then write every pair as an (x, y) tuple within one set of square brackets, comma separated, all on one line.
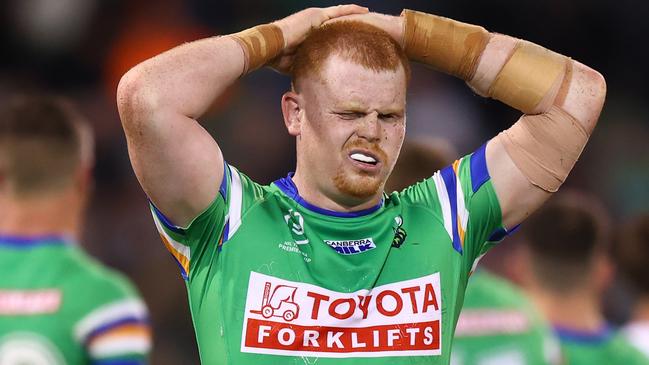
[(350, 116), (389, 117)]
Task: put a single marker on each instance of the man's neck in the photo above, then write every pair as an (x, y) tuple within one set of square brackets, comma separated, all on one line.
[(311, 194), (40, 216), (577, 310)]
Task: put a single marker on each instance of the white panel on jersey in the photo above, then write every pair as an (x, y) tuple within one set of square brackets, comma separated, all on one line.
[(445, 204), (463, 214), (109, 313), (236, 200)]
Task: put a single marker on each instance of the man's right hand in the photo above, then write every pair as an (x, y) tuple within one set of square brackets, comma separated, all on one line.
[(296, 27)]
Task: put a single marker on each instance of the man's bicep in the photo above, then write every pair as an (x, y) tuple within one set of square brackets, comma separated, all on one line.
[(517, 197), (178, 164)]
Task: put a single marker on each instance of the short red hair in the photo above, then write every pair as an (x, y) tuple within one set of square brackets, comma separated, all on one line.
[(355, 41)]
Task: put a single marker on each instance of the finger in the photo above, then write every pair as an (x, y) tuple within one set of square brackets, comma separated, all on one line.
[(359, 17), (342, 10)]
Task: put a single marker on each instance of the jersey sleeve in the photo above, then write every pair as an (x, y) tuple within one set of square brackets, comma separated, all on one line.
[(115, 328), (463, 198), (200, 242)]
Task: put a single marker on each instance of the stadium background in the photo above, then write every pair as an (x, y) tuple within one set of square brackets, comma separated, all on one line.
[(80, 48)]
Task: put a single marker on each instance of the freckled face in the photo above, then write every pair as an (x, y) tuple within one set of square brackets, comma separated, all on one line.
[(353, 129)]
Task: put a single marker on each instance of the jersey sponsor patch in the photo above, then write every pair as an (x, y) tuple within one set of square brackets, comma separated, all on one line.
[(352, 247), (298, 319), (29, 302)]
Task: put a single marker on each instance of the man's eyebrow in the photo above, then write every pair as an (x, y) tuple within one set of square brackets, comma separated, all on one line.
[(359, 108), (396, 110), (351, 106)]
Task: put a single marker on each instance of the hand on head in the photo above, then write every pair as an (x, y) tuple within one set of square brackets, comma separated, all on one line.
[(393, 25), (296, 27)]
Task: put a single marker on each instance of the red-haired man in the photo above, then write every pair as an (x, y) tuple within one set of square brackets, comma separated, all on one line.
[(322, 266)]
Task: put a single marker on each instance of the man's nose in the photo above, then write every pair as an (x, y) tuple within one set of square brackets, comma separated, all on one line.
[(370, 127)]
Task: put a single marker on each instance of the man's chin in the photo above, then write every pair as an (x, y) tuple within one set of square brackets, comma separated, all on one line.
[(359, 186)]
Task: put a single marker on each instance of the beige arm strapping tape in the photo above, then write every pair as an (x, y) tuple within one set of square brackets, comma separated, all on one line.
[(530, 80), (545, 147), (260, 45), (447, 45)]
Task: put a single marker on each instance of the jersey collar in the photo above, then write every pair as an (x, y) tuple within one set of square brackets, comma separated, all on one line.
[(287, 186), (584, 337), (35, 241)]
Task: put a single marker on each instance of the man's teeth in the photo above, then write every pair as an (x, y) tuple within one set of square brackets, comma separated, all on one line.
[(363, 158)]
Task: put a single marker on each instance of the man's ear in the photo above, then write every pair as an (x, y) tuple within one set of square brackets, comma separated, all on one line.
[(84, 180), (292, 110)]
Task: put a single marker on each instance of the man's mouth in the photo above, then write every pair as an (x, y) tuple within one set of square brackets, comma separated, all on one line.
[(364, 158)]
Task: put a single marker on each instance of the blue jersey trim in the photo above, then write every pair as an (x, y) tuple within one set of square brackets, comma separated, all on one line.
[(114, 324), (450, 180), (118, 362), (584, 337), (287, 186), (479, 171), (501, 233), (223, 189), (166, 221), (35, 241), (183, 273)]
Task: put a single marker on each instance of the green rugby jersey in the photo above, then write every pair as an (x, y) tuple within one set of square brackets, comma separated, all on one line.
[(60, 307), (604, 347), (499, 326), (273, 279)]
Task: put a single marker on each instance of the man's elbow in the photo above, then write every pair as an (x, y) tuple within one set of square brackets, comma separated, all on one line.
[(586, 95), (595, 91), (597, 86), (135, 99)]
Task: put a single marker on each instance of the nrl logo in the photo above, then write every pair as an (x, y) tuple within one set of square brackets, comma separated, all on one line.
[(400, 234)]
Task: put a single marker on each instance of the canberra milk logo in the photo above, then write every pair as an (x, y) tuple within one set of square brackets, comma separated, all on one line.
[(352, 247)]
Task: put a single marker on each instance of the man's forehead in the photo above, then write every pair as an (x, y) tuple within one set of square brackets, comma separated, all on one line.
[(352, 86)]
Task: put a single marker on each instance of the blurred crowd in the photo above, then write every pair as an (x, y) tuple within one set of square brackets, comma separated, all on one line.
[(80, 49)]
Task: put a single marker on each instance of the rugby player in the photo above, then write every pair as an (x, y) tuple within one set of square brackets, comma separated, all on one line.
[(565, 268), (632, 257), (322, 266), (58, 306)]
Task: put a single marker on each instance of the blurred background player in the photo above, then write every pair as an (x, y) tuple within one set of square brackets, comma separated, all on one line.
[(632, 257), (497, 325), (57, 305), (565, 268)]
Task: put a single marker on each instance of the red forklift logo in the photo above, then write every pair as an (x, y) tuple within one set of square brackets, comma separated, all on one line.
[(280, 304)]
